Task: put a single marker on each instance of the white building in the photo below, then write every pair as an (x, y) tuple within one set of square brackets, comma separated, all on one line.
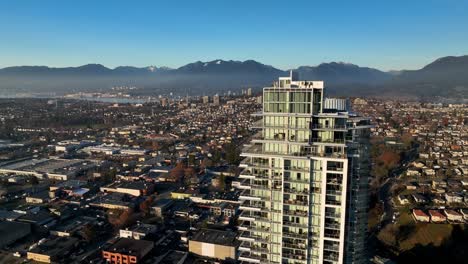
[(305, 179)]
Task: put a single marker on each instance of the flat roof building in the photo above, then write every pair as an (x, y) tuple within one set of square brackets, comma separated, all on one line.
[(53, 249), (214, 244), (12, 231), (127, 251)]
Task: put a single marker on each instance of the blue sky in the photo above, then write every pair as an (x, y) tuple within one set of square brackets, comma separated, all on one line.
[(385, 34)]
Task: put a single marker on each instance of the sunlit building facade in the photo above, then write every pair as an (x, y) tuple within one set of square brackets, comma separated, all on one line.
[(304, 179)]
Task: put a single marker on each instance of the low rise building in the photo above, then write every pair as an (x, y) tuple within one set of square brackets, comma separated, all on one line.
[(133, 188), (128, 251), (437, 217), (52, 249), (214, 244), (420, 216), (12, 231), (453, 215)]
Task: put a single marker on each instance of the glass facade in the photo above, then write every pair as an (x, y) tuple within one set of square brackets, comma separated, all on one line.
[(295, 179)]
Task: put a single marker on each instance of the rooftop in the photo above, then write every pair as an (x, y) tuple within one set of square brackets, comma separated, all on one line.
[(130, 246), (226, 238)]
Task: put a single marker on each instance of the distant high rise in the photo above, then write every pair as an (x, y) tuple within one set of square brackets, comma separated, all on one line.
[(216, 100), (304, 179), (249, 92), (206, 99), (163, 101)]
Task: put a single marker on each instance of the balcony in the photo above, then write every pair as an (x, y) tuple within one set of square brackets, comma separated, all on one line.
[(254, 217), (334, 168), (294, 255), (296, 246), (294, 168), (330, 256), (329, 127), (293, 224), (294, 235), (332, 248), (332, 215), (295, 191), (331, 233), (256, 228), (291, 180), (295, 213), (296, 202), (247, 236), (328, 140), (252, 257), (331, 200), (335, 226), (253, 150), (260, 124), (334, 192)]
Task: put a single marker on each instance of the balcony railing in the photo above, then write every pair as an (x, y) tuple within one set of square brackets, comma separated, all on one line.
[(295, 246), (330, 127), (332, 215), (294, 168), (295, 191), (294, 255), (328, 140), (330, 256), (293, 224), (295, 212), (296, 202), (295, 235), (258, 149)]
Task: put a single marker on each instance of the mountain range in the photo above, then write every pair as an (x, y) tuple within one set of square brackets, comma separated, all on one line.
[(445, 77)]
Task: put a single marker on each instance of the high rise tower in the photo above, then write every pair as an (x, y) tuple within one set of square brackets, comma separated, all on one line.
[(304, 179)]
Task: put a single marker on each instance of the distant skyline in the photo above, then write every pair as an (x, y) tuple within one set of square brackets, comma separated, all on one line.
[(387, 35)]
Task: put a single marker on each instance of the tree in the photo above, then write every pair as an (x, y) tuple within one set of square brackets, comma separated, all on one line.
[(34, 180), (407, 140), (88, 233), (222, 181), (146, 205), (178, 172), (120, 219), (232, 154)]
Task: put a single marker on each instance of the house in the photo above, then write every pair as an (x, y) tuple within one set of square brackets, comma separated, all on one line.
[(438, 200), (419, 198), (429, 172), (403, 199), (453, 215), (437, 217), (420, 216), (412, 173), (453, 198)]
